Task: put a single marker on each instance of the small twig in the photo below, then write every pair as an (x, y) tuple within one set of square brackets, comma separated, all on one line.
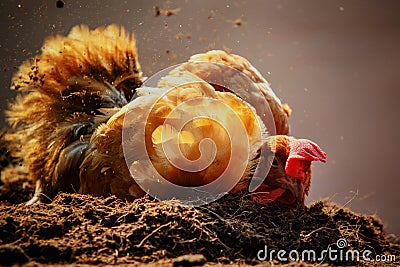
[(42, 194), (317, 230), (215, 214), (73, 188), (351, 199), (154, 231)]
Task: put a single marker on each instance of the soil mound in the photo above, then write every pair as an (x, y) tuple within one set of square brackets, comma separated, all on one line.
[(82, 229)]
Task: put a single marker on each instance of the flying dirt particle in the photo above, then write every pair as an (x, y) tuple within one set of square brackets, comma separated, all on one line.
[(237, 22), (167, 12), (156, 11), (178, 36), (60, 4), (170, 12), (172, 55)]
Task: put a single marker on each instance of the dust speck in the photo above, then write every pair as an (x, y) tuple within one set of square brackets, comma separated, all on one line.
[(60, 4)]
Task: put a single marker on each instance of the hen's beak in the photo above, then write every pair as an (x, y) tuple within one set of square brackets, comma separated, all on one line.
[(296, 188)]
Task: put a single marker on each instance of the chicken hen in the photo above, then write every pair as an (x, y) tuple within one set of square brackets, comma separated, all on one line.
[(80, 110)]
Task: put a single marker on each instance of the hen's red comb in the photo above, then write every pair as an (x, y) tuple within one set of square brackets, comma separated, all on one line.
[(302, 150)]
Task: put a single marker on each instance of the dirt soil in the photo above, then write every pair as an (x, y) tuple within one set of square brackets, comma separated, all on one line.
[(86, 230)]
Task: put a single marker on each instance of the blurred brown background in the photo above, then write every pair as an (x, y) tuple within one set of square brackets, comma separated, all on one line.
[(337, 63)]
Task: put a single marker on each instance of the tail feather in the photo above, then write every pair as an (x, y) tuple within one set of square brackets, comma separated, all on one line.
[(66, 172), (77, 83)]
